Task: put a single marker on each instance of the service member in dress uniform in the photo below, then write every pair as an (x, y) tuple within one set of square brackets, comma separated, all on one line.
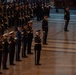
[(20, 17), (16, 15), (24, 41), (5, 50), (2, 23), (0, 30), (18, 43), (1, 50), (23, 14), (12, 14), (45, 29), (39, 12), (37, 47), (5, 22), (30, 36), (12, 42), (66, 18), (9, 16)]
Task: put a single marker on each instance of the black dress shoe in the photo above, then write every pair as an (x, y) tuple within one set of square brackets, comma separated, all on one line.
[(24, 56), (12, 64), (38, 64), (16, 60), (19, 60), (66, 30), (0, 72), (5, 68), (30, 53)]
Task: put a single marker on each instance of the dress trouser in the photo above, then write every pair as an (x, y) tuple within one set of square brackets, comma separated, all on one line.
[(37, 56), (66, 25), (45, 37), (0, 58), (29, 45), (11, 56), (5, 56), (24, 49), (18, 48)]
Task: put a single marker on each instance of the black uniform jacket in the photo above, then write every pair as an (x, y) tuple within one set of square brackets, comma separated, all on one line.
[(45, 25), (12, 43), (5, 44), (37, 43), (1, 46), (66, 15)]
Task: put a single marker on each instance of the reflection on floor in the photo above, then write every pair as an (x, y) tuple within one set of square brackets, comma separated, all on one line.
[(58, 57)]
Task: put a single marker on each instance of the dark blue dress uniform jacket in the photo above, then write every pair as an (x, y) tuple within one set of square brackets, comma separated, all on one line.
[(37, 43)]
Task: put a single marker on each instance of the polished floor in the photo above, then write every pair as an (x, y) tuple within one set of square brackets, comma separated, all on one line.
[(58, 57)]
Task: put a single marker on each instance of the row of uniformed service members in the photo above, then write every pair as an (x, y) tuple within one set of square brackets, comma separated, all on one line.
[(11, 42)]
